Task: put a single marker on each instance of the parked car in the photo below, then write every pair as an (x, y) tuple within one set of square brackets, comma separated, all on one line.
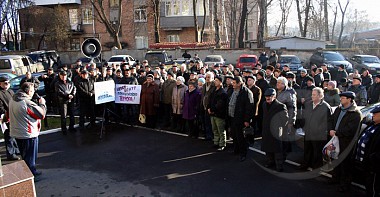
[(15, 83), (155, 58), (294, 63), (86, 60), (214, 59), (8, 75), (119, 59), (19, 64), (332, 59), (46, 58), (370, 62), (246, 61)]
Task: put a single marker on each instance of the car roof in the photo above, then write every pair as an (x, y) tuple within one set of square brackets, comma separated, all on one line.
[(365, 56), (121, 56), (248, 55), (288, 56), (213, 56), (11, 56)]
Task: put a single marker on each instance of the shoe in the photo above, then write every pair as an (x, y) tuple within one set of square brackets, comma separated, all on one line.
[(242, 158), (13, 158), (221, 148)]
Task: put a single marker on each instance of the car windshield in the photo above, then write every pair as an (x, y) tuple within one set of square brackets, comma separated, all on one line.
[(117, 59), (213, 59), (333, 57), (370, 60), (294, 60), (155, 57), (247, 60)]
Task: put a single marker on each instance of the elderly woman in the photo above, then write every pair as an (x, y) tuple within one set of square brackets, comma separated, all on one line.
[(177, 103), (331, 94), (190, 108), (149, 101)]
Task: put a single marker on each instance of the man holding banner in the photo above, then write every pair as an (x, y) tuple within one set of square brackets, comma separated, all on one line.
[(86, 98), (130, 110)]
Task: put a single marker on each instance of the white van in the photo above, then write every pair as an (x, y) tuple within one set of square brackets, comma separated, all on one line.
[(18, 64)]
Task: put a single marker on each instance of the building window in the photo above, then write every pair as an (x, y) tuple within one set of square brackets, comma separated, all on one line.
[(183, 8), (173, 38), (114, 3), (73, 16), (75, 44), (87, 16), (141, 42), (140, 15)]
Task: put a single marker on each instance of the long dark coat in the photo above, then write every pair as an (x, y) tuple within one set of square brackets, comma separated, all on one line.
[(275, 120), (149, 99), (191, 104)]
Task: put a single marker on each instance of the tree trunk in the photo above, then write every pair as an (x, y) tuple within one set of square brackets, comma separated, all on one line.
[(326, 16), (243, 18), (305, 24), (343, 12), (299, 16), (195, 20), (261, 27), (156, 21), (204, 20), (334, 23), (117, 41), (216, 23)]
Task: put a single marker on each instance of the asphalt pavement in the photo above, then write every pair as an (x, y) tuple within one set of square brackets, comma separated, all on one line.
[(134, 161)]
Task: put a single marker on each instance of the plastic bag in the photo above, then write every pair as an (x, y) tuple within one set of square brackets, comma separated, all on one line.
[(331, 149)]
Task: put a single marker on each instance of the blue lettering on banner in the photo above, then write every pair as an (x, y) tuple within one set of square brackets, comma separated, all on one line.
[(104, 96)]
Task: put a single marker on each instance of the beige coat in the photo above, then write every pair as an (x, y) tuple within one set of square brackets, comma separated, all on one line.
[(178, 98)]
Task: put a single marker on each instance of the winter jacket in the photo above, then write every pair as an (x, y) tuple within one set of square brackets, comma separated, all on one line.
[(340, 75), (149, 99), (374, 93), (316, 121), (178, 97), (85, 89), (206, 94), (5, 97), (49, 88), (361, 94), (332, 97), (218, 103), (289, 98), (64, 89), (129, 81), (191, 104), (367, 81), (167, 91), (275, 119), (25, 116), (273, 59), (244, 107)]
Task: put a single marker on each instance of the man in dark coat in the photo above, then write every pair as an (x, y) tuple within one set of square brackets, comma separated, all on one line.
[(130, 110), (275, 119), (49, 88), (240, 112), (342, 73), (149, 100), (359, 90), (367, 154), (257, 95), (374, 91), (86, 94), (345, 123), (66, 91), (11, 148), (317, 113)]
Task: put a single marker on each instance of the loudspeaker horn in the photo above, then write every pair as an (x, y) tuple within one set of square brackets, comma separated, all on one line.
[(91, 48)]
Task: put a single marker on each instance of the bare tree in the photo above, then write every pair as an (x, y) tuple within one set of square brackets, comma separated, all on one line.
[(216, 24), (112, 29), (263, 8), (334, 23), (243, 19), (156, 16), (196, 28), (285, 6), (326, 16), (204, 20), (343, 11), (306, 11)]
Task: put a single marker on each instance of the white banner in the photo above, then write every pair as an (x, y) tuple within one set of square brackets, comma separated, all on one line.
[(128, 94), (104, 91)]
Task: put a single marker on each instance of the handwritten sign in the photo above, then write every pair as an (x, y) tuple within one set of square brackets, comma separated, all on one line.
[(104, 91), (128, 94)]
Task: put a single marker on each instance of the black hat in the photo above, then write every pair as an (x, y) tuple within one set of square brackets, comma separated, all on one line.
[(216, 65), (118, 70), (342, 66), (286, 65), (191, 61), (348, 94), (228, 76), (376, 109), (309, 78), (50, 68), (358, 78), (194, 73), (84, 72), (270, 92), (255, 68), (4, 78), (150, 75), (290, 75), (252, 77), (247, 71), (225, 65), (109, 68), (238, 79), (237, 69), (378, 76), (219, 78), (174, 65), (171, 74), (261, 73), (63, 72)]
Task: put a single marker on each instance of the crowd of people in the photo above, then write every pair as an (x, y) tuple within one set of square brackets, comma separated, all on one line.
[(221, 102)]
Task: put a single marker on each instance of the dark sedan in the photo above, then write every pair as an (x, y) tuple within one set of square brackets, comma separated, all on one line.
[(15, 83)]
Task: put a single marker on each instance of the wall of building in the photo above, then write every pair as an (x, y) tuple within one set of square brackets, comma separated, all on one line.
[(295, 43)]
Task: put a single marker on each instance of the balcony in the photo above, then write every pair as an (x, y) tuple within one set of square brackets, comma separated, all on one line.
[(56, 2)]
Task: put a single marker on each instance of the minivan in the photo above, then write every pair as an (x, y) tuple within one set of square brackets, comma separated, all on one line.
[(18, 64)]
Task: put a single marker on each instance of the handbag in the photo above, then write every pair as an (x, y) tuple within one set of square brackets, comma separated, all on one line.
[(331, 149), (142, 118)]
